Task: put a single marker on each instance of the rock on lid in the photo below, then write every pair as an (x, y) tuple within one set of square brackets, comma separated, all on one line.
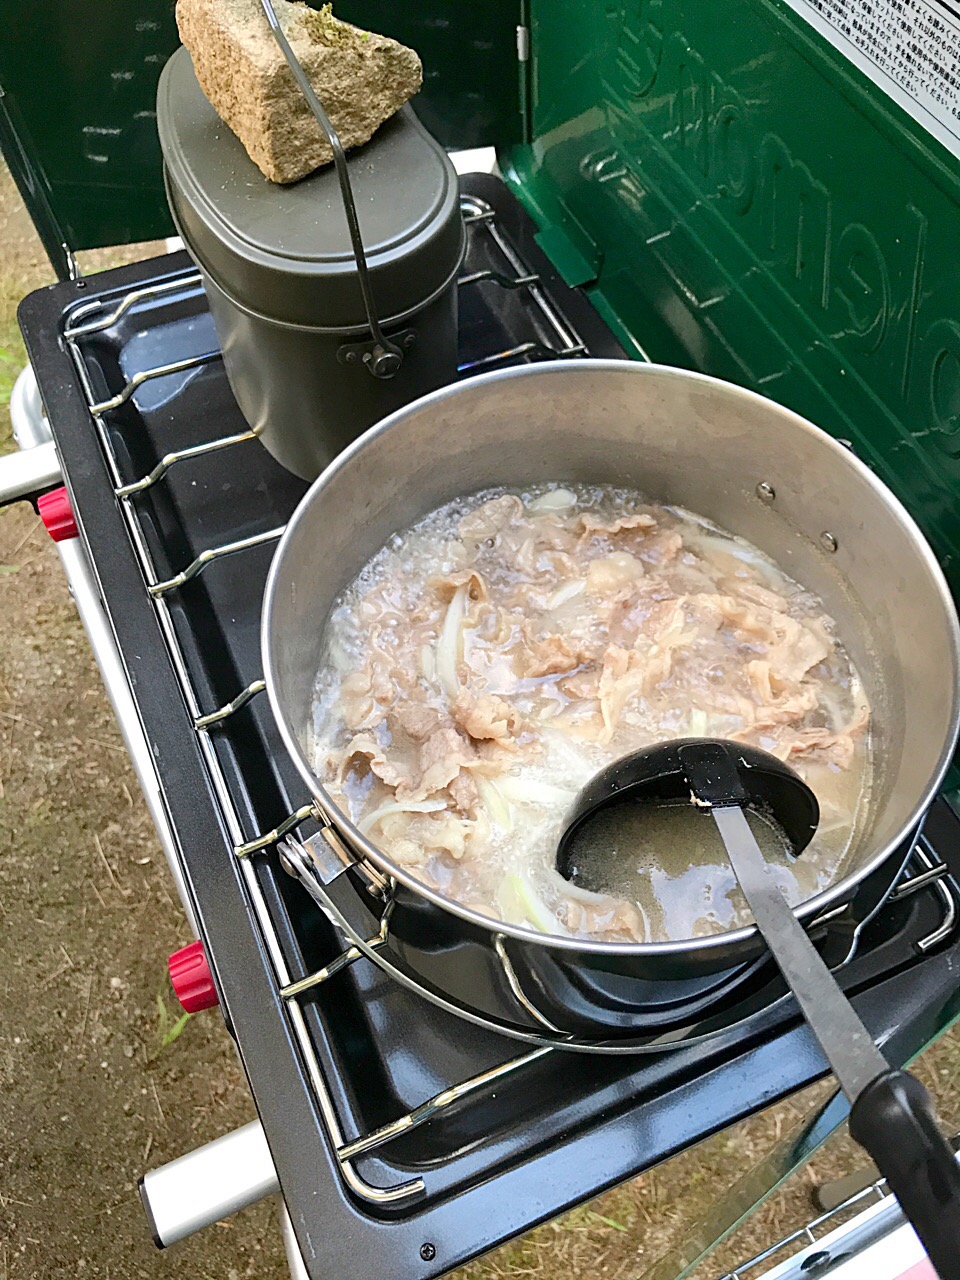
[(361, 79)]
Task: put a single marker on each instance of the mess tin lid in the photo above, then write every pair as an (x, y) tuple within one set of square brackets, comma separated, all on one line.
[(284, 252)]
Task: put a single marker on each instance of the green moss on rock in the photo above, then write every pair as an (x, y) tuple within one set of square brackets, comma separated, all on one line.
[(325, 29)]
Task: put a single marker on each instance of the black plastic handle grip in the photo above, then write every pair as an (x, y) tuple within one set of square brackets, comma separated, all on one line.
[(893, 1119), (711, 771)]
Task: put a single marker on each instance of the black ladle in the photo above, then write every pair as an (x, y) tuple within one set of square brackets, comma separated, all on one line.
[(891, 1115)]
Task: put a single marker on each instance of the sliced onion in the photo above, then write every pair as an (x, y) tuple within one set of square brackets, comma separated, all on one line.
[(529, 791), (371, 820), (450, 644), (746, 555), (587, 896), (521, 903), (338, 656), (699, 723), (496, 806), (555, 500), (428, 663), (830, 825), (579, 763), (568, 591), (603, 902)]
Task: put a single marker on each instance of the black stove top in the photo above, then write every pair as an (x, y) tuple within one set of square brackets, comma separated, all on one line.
[(346, 1066)]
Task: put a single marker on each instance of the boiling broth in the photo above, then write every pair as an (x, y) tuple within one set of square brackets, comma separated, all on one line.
[(669, 859), (492, 658)]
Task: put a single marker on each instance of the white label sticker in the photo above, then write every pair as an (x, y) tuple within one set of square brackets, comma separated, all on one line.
[(910, 48)]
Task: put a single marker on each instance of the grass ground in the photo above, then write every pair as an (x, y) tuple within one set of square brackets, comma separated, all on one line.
[(99, 1079)]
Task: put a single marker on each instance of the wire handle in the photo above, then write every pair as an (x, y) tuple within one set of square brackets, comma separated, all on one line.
[(386, 358)]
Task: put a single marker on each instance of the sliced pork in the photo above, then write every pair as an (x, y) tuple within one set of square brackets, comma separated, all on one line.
[(491, 659)]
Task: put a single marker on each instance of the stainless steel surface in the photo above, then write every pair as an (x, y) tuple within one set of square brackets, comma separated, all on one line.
[(946, 897), (848, 1046), (27, 419), (209, 1184), (927, 877), (147, 375), (243, 844), (343, 961), (244, 849), (294, 1257), (513, 353), (86, 595), (439, 1102), (30, 429), (29, 471), (568, 342), (875, 1244), (648, 426), (505, 282), (94, 317), (184, 455), (228, 708), (211, 554), (321, 856), (99, 316)]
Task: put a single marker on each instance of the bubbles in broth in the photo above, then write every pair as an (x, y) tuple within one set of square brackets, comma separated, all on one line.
[(669, 859), (491, 659)]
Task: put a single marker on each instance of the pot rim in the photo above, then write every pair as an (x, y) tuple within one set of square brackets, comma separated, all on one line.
[(332, 813)]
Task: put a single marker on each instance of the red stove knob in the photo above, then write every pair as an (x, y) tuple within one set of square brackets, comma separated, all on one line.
[(57, 514), (191, 978)]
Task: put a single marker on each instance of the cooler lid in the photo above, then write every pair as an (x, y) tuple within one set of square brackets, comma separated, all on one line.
[(768, 191), (285, 251), (78, 88)]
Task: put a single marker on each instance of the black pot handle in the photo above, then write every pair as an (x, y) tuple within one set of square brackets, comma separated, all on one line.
[(386, 357), (894, 1121)]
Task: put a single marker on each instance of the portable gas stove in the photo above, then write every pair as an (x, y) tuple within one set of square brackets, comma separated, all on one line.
[(769, 196), (404, 1140)]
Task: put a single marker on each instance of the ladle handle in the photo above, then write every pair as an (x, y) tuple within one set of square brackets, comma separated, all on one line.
[(893, 1120), (891, 1116)]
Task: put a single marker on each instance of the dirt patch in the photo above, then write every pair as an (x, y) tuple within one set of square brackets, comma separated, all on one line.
[(91, 1096), (94, 1086)]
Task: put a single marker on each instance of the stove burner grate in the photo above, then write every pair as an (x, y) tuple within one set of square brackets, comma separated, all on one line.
[(133, 353)]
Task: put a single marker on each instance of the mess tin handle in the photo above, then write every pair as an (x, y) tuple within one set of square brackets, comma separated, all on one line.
[(893, 1120), (386, 357)]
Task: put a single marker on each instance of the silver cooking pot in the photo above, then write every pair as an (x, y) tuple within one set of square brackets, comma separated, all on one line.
[(754, 468)]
